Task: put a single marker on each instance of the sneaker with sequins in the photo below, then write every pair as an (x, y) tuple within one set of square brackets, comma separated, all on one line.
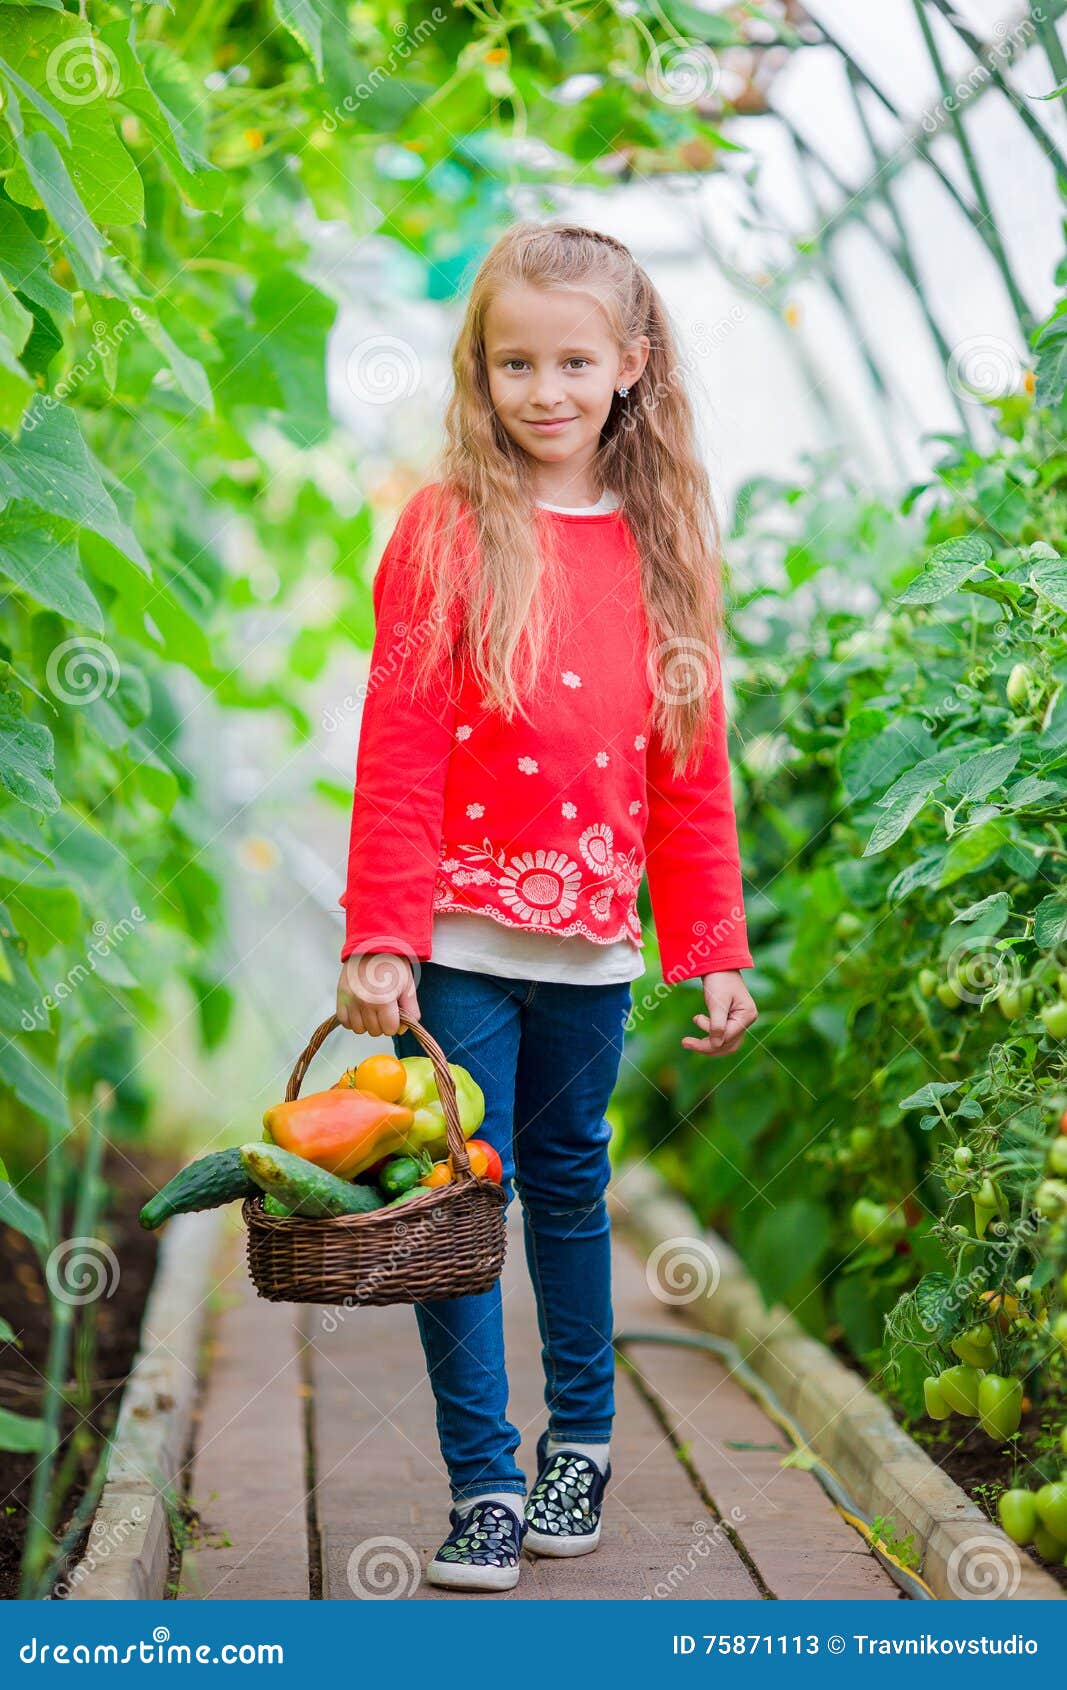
[(563, 1508), (483, 1551)]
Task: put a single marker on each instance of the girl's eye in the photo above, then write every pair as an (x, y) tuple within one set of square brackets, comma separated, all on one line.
[(510, 363)]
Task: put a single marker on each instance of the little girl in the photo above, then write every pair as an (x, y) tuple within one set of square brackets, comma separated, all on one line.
[(544, 723)]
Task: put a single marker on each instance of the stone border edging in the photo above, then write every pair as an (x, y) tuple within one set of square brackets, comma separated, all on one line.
[(128, 1552), (843, 1420)]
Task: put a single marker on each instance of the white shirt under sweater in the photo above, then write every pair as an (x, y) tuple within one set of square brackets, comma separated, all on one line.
[(466, 939)]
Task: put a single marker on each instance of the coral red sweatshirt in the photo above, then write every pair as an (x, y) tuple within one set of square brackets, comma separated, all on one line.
[(546, 825)]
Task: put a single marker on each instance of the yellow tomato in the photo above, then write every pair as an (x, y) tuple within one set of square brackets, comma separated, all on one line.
[(1004, 1306), (439, 1174), (383, 1075)]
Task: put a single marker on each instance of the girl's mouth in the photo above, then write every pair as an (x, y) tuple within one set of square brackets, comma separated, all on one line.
[(551, 425)]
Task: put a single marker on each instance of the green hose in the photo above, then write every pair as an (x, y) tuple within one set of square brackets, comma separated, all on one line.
[(727, 1351)]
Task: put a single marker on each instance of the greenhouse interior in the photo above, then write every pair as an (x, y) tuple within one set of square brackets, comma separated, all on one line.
[(242, 250)]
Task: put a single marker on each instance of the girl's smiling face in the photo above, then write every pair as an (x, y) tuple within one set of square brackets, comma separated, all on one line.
[(553, 368)]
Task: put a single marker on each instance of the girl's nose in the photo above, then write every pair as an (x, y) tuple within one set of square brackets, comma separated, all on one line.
[(546, 391)]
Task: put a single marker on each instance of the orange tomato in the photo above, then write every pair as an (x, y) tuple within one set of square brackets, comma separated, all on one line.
[(1005, 1307), (383, 1075), (439, 1174)]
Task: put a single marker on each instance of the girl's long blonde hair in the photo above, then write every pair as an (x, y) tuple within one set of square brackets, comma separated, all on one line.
[(482, 545)]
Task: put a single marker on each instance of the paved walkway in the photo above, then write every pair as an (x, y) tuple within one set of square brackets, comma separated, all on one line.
[(316, 1470)]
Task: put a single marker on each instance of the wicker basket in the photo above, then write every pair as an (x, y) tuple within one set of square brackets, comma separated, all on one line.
[(447, 1243)]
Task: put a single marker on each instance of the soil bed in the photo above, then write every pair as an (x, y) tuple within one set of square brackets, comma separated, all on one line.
[(984, 1469), (132, 1175)]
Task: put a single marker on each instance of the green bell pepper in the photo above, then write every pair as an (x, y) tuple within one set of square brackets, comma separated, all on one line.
[(936, 1406), (1017, 1512), (1049, 1546), (1051, 1503), (1000, 1408), (959, 1387), (427, 1132), (975, 1347)]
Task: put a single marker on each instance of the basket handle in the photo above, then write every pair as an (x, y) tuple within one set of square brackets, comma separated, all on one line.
[(446, 1085)]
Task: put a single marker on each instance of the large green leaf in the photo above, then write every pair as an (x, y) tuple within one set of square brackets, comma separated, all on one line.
[(972, 850), (16, 388), (15, 321), (1050, 919), (24, 262), (163, 94), (978, 776), (15, 1212), (19, 991), (49, 465), (65, 62), (37, 1082), (1051, 349), (788, 1243), (876, 750), (20, 1434), (40, 555), (303, 21), (947, 567), (46, 911), (48, 179), (26, 756), (278, 358)]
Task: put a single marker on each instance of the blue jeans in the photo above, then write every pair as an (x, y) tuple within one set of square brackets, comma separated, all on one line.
[(547, 1056)]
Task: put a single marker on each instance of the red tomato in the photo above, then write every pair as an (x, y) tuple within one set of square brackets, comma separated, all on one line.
[(485, 1162)]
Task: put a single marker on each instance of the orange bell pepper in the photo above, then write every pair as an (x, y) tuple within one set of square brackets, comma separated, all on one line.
[(344, 1131)]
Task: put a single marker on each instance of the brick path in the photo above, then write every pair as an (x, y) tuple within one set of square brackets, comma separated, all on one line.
[(291, 1391)]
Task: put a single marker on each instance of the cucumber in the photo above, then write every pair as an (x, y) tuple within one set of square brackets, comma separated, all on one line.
[(400, 1175), (210, 1181), (271, 1206), (406, 1196), (305, 1189)]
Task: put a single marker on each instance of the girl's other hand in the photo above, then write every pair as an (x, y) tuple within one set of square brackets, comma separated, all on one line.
[(730, 1011), (374, 991)]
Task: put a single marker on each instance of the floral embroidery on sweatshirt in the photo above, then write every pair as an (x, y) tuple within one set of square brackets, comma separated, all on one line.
[(544, 889)]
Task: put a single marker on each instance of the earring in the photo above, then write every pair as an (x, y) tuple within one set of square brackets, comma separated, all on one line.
[(623, 391)]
